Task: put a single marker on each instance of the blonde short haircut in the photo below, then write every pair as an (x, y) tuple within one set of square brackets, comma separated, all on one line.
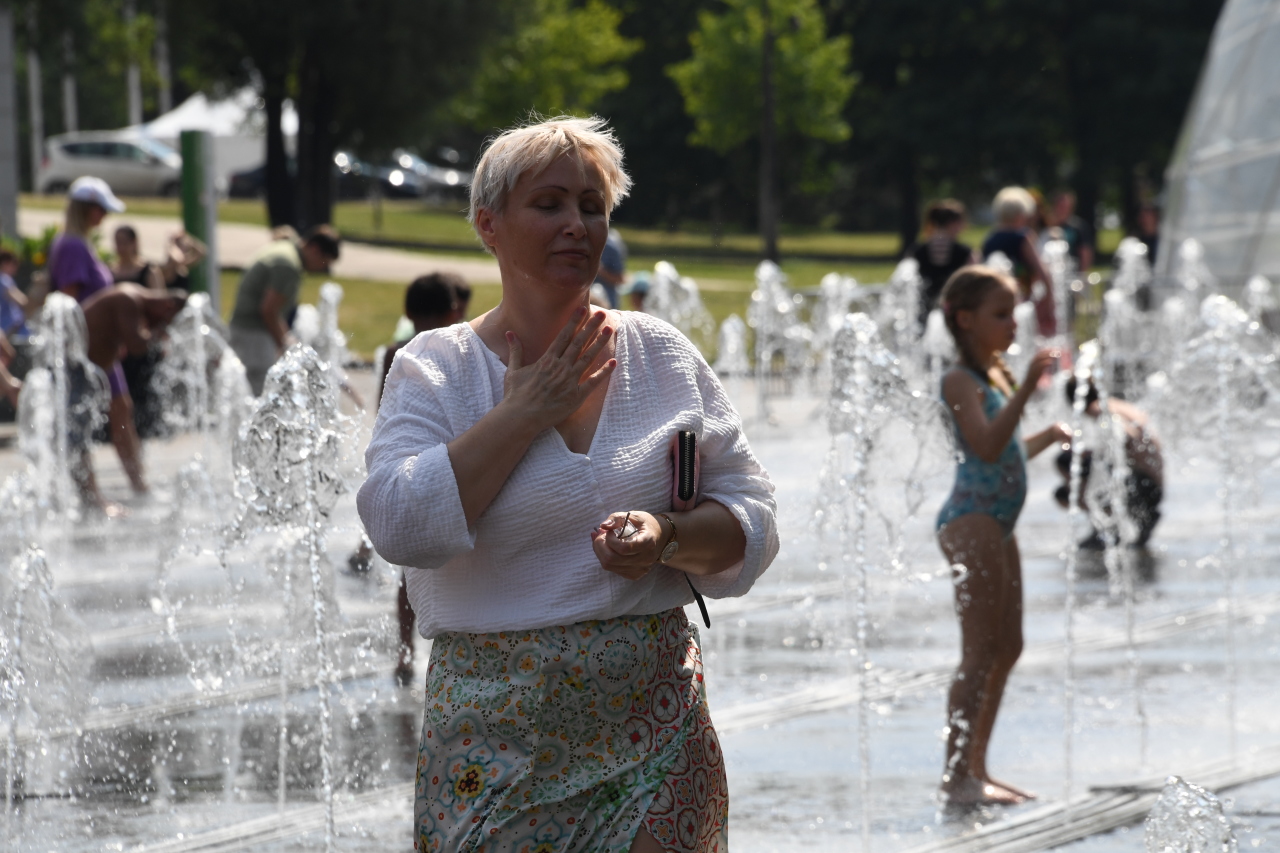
[(1012, 202), (532, 147)]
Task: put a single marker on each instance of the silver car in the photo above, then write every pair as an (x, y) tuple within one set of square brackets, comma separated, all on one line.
[(131, 165)]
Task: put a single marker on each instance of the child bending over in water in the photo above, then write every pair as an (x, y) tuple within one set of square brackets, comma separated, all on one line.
[(975, 525)]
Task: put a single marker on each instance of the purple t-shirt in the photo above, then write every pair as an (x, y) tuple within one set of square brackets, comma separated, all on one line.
[(73, 261)]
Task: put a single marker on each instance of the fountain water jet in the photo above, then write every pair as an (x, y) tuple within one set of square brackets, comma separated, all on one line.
[(869, 394), (1083, 367), (1228, 369), (676, 299), (1187, 819), (62, 403), (289, 456), (42, 660)]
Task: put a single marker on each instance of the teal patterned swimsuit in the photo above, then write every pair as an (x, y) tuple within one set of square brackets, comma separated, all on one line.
[(996, 489)]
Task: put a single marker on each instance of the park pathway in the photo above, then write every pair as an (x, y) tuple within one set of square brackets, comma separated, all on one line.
[(237, 243)]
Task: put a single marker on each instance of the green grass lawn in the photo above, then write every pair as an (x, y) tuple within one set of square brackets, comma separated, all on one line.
[(370, 309), (446, 226)]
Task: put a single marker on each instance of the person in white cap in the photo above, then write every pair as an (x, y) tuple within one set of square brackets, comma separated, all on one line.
[(76, 270), (74, 265)]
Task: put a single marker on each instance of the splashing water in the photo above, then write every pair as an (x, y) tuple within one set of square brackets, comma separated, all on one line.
[(1192, 272), (197, 340), (1221, 386), (1187, 819), (62, 402), (731, 352), (900, 308), (43, 663), (676, 299), (289, 457), (1061, 268), (1259, 297), (1083, 367), (774, 314), (869, 397)]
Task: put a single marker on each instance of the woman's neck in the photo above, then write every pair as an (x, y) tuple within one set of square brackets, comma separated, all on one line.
[(534, 320)]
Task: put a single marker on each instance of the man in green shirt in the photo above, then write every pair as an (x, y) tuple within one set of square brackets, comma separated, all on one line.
[(268, 294)]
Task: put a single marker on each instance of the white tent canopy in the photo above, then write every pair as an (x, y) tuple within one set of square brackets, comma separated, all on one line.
[(239, 115), (238, 125), (1224, 180)]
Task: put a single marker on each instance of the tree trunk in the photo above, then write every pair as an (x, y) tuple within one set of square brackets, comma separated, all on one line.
[(908, 180), (281, 201), (768, 143), (1129, 199), (133, 74), (163, 70), (1088, 192), (315, 143), (35, 97), (8, 127), (70, 102)]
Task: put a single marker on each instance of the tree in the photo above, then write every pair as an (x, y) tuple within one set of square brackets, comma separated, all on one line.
[(960, 98), (559, 59), (671, 176), (369, 74), (726, 88)]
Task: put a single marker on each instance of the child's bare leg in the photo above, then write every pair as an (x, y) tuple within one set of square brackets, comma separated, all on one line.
[(1008, 650), (124, 435), (973, 541), (10, 386), (87, 483)]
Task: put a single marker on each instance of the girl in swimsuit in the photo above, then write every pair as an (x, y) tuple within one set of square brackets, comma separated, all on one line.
[(975, 526)]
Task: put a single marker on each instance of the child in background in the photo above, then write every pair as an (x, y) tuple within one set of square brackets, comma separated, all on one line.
[(1144, 484), (13, 302), (1014, 208), (432, 301), (975, 525), (941, 253)]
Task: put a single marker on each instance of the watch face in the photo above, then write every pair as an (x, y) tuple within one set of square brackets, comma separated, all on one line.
[(670, 551)]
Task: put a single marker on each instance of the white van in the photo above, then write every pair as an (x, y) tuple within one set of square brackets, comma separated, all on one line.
[(131, 165)]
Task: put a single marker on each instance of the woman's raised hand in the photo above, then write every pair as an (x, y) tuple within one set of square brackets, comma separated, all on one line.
[(632, 552), (553, 387), (1040, 363)]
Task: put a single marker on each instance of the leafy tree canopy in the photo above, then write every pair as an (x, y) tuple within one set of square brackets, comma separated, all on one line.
[(721, 81), (559, 59)]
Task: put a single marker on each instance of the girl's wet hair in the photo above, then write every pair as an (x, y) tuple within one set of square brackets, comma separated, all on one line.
[(966, 290)]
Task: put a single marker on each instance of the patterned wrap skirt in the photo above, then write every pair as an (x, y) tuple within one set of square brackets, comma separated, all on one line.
[(568, 739)]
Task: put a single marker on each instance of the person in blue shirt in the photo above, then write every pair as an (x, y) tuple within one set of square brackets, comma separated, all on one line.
[(13, 318), (1013, 208), (613, 266)]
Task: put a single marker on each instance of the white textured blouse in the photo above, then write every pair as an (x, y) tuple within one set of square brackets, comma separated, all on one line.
[(527, 562)]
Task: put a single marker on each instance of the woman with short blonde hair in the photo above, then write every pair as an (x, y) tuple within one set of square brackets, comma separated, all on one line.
[(521, 468)]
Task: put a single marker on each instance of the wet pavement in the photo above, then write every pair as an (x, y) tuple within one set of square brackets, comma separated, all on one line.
[(147, 772)]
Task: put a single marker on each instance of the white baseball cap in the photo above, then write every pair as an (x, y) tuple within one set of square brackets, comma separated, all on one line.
[(95, 190)]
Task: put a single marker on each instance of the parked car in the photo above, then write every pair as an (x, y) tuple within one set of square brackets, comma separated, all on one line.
[(408, 176), (248, 183), (131, 165), (427, 179)]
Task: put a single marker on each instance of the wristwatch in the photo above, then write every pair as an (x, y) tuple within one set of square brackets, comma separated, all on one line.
[(672, 545)]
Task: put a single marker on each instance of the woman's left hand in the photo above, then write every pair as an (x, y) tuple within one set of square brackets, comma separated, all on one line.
[(634, 556)]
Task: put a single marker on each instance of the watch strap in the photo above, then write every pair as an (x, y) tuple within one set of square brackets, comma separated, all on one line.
[(670, 540)]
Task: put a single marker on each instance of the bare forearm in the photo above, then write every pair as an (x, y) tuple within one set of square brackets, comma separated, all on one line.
[(711, 539), (1040, 441), (276, 328), (1000, 429), (484, 456)]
